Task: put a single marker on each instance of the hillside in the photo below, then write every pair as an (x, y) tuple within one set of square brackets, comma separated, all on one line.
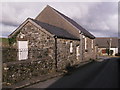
[(4, 42)]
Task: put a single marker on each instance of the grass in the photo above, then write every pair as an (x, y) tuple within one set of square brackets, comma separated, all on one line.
[(4, 41)]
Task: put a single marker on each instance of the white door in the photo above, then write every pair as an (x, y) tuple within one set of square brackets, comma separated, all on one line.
[(22, 50), (77, 52)]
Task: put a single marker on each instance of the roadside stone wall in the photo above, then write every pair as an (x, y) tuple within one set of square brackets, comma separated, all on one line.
[(14, 72), (9, 54), (64, 57)]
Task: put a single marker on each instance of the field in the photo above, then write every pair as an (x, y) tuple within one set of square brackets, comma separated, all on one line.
[(4, 42)]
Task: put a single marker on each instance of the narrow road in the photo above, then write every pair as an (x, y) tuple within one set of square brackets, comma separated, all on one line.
[(103, 74)]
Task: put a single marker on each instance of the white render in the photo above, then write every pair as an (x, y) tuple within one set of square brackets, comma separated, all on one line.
[(115, 50)]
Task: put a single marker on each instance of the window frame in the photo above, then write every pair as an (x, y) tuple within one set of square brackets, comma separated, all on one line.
[(71, 47), (85, 43)]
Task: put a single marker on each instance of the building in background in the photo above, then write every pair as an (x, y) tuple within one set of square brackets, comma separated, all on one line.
[(107, 45)]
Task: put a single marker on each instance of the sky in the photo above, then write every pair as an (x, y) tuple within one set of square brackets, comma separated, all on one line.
[(99, 18)]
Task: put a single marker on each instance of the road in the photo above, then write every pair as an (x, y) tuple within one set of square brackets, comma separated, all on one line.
[(103, 74)]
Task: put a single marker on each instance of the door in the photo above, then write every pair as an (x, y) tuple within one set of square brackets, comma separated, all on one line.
[(22, 50), (77, 52)]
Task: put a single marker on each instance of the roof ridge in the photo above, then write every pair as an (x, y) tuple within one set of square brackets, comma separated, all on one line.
[(71, 22), (68, 19)]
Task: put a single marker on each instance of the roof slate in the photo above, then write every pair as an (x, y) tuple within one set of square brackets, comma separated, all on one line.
[(59, 32), (84, 31)]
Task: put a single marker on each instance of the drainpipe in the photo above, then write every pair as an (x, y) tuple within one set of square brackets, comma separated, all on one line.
[(81, 46), (56, 53)]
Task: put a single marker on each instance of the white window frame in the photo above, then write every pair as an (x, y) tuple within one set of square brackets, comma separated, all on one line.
[(71, 47), (77, 52), (85, 43)]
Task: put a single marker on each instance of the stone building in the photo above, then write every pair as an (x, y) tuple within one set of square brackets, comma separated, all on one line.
[(54, 35)]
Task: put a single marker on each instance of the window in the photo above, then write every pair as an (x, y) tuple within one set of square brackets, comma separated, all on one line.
[(85, 43), (71, 47), (77, 52), (92, 44)]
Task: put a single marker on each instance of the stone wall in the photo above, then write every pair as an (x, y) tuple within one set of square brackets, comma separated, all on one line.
[(9, 54), (14, 72), (89, 53), (64, 57)]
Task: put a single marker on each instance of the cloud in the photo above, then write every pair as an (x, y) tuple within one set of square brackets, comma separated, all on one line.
[(103, 33), (15, 13), (98, 18), (102, 17), (6, 30)]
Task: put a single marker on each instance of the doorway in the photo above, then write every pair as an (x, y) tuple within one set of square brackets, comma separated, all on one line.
[(22, 50)]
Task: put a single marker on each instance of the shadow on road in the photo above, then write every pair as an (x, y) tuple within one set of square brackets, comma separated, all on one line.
[(94, 75)]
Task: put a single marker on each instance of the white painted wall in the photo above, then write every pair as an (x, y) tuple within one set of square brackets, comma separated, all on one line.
[(115, 50)]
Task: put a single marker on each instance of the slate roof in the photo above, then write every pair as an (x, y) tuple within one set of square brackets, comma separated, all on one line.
[(59, 32), (84, 31), (104, 42)]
